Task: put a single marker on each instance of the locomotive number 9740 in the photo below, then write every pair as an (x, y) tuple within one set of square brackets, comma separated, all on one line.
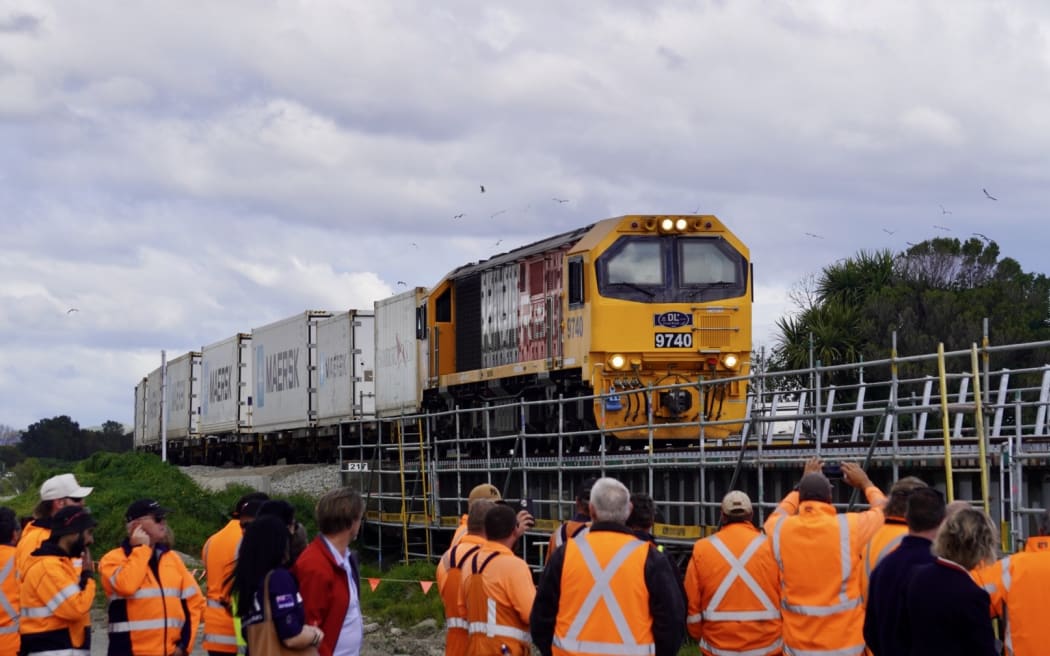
[(674, 340)]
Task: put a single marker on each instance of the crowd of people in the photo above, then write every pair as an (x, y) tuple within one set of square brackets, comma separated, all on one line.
[(908, 575), (266, 584)]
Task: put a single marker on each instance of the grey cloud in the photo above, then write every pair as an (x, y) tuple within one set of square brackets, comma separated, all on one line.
[(20, 24)]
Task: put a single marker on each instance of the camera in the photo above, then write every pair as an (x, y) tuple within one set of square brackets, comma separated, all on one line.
[(832, 471)]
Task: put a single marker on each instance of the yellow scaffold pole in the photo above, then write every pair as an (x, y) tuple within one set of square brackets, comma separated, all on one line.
[(425, 484), (944, 423), (978, 420), (401, 464)]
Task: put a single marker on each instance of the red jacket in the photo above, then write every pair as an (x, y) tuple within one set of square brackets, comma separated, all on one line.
[(323, 587)]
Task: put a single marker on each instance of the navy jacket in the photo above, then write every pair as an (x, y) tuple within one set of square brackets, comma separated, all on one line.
[(946, 613), (886, 588)]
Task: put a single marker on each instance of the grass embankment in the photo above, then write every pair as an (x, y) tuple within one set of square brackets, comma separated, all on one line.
[(119, 479)]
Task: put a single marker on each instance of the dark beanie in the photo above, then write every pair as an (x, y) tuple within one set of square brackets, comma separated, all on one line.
[(814, 487)]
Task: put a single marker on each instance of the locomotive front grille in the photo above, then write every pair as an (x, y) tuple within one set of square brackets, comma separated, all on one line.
[(714, 329)]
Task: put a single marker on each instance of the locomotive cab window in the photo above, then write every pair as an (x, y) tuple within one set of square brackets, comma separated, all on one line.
[(671, 268), (576, 282)]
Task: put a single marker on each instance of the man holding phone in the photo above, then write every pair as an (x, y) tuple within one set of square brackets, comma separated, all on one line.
[(819, 554)]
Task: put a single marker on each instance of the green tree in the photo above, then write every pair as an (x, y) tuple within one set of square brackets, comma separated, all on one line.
[(940, 290), (58, 437)]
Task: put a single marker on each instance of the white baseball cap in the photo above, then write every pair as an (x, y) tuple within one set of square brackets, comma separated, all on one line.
[(61, 487)]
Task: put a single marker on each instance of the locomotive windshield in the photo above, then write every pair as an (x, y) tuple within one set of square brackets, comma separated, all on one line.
[(671, 268)]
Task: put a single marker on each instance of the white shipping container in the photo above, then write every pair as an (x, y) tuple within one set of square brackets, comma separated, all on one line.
[(400, 355), (285, 371), (139, 432), (183, 395), (226, 387), (151, 432), (346, 367)]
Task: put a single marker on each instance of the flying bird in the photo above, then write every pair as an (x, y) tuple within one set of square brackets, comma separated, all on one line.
[(909, 243), (72, 310), (415, 245), (982, 236), (402, 283), (458, 216), (810, 234), (560, 200), (940, 227), (697, 210), (497, 214), (944, 211), (482, 188), (988, 195), (889, 232), (499, 241)]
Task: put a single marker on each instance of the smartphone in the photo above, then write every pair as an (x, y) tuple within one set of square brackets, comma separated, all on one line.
[(526, 504), (832, 471)]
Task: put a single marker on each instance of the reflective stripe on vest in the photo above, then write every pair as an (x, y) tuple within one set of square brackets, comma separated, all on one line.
[(215, 603), (60, 652), (221, 639), (456, 623), (145, 625), (869, 564), (152, 593), (737, 569), (491, 628), (855, 650), (844, 604), (5, 604), (561, 536), (48, 610), (762, 651), (602, 590)]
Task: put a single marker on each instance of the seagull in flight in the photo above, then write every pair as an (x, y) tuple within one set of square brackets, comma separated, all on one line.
[(889, 232), (482, 188), (940, 227), (499, 241), (72, 310), (560, 200), (414, 244), (497, 214), (402, 283), (988, 195), (810, 234), (944, 211), (981, 235), (459, 216)]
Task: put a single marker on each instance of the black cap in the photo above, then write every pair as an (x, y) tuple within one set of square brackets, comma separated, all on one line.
[(144, 507), (249, 504), (71, 519)]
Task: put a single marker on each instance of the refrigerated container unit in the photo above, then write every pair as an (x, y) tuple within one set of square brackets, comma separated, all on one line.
[(346, 367), (401, 351), (226, 395), (285, 372)]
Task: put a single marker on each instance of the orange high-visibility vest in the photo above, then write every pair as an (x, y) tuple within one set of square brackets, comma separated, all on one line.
[(56, 611), (461, 530), (1019, 586), (819, 553), (146, 614), (498, 593), (33, 535), (449, 577), (219, 557), (9, 601), (566, 532), (604, 602), (883, 543), (732, 585)]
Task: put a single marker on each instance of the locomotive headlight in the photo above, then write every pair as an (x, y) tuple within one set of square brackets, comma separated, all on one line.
[(680, 225), (730, 360), (667, 225), (617, 361)]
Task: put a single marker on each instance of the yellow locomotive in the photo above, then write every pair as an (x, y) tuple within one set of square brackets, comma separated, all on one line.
[(644, 319)]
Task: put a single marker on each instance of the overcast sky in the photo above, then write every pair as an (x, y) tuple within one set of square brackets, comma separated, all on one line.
[(182, 171)]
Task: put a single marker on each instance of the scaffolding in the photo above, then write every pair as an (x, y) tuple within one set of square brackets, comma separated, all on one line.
[(975, 432)]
